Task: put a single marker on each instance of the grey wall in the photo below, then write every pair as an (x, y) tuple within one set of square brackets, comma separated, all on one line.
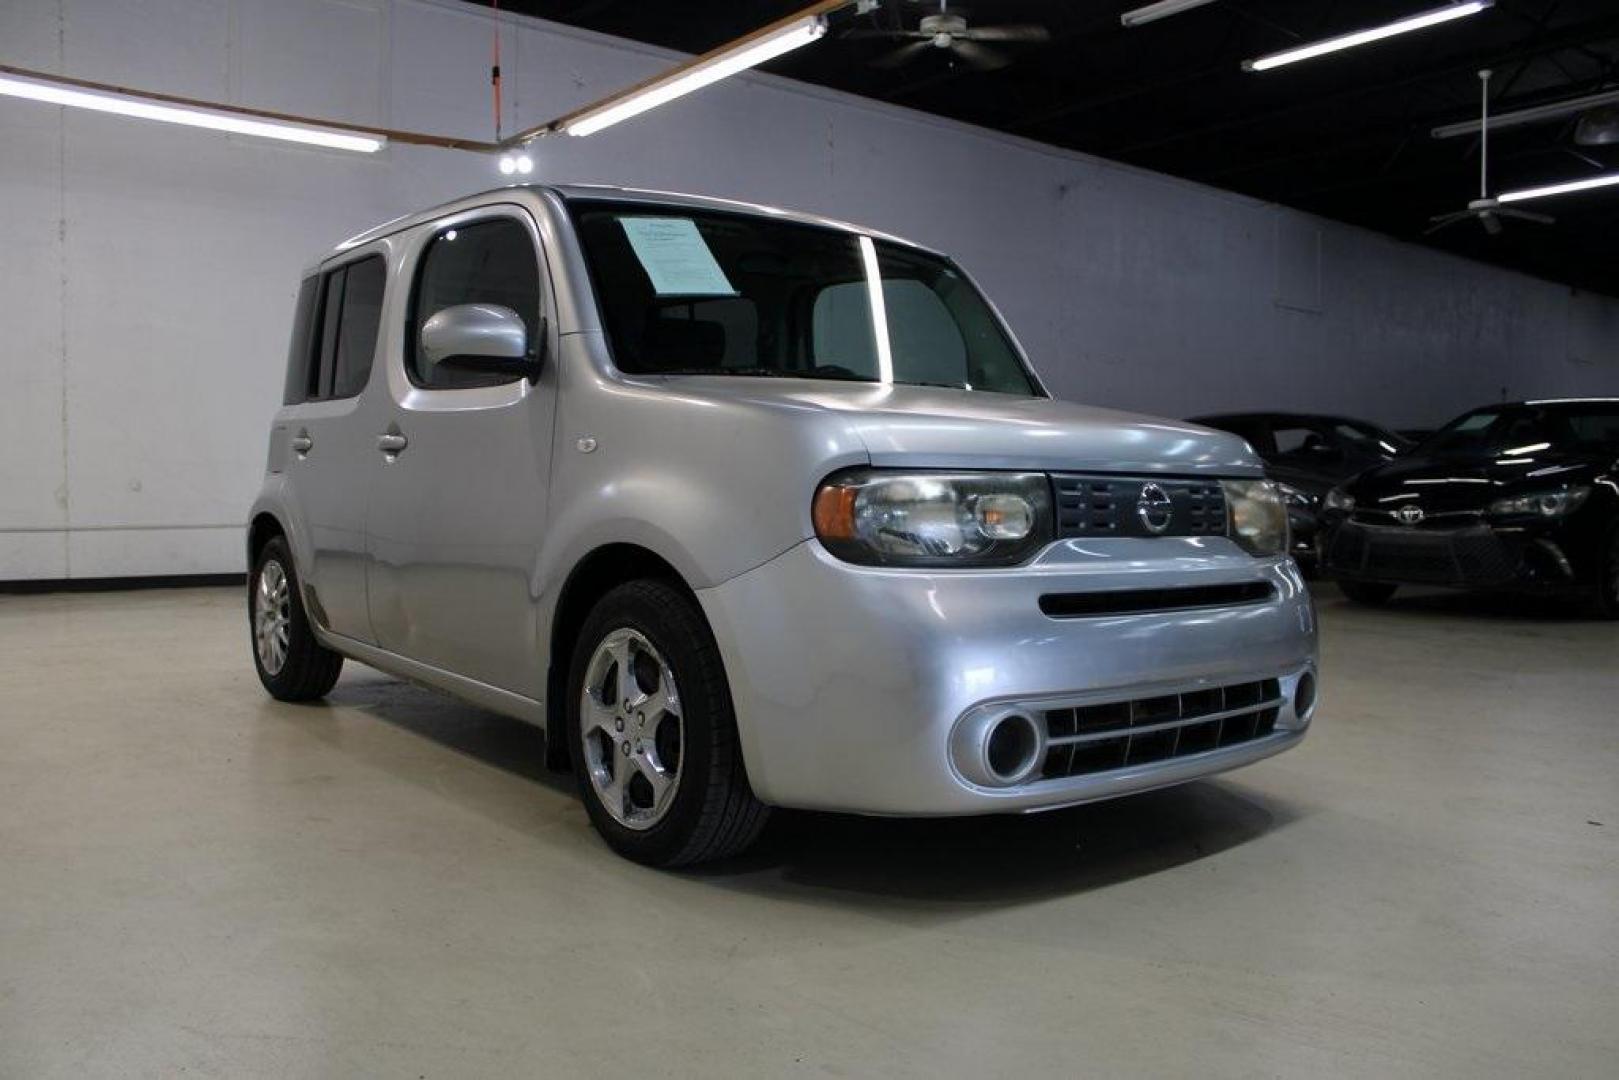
[(148, 271)]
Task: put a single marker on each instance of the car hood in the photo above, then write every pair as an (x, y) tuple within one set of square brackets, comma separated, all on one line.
[(1437, 484), (944, 428)]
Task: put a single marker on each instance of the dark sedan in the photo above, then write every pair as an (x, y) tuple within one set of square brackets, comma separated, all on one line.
[(1521, 497), (1307, 455)]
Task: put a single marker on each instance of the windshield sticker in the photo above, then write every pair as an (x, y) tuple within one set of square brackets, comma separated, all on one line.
[(675, 257)]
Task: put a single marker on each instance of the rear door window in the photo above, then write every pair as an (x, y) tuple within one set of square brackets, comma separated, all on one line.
[(357, 326)]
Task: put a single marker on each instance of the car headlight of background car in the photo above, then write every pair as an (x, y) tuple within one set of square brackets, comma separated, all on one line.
[(1295, 497), (1256, 516), (1338, 500), (1552, 503), (882, 518)]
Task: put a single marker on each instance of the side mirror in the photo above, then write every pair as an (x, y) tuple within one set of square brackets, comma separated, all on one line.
[(479, 337)]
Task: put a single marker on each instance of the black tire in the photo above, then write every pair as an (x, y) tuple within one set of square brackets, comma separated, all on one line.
[(309, 669), (1370, 593), (712, 812), (1605, 596)]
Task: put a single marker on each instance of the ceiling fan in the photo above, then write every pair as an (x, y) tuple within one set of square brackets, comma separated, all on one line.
[(1487, 209), (949, 32)]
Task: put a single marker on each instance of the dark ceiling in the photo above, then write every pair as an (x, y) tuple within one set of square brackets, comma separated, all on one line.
[(1346, 136)]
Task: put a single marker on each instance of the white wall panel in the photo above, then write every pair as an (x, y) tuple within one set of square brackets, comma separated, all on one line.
[(325, 58), (132, 431)]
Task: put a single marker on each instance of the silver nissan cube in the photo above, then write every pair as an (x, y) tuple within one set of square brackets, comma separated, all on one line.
[(749, 509)]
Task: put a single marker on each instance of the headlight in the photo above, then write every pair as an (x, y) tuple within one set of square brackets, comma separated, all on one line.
[(1293, 496), (1553, 503), (1256, 517), (882, 518), (1340, 500)]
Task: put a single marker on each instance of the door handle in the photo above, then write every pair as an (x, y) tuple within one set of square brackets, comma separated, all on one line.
[(392, 443), (302, 443)]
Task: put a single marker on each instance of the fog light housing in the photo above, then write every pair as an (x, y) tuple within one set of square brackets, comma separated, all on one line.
[(1304, 696)]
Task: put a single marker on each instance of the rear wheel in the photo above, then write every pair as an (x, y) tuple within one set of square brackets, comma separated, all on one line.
[(292, 665), (653, 732), (1371, 593)]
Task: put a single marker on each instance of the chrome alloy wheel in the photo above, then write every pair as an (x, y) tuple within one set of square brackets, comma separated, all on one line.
[(630, 722), (272, 617)]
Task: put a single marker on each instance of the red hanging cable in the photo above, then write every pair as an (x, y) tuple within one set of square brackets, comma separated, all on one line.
[(494, 71)]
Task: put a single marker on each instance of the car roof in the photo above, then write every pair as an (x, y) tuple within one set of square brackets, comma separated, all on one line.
[(1275, 416), (579, 192)]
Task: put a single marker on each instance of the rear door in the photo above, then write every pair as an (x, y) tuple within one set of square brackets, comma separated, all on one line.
[(327, 445)]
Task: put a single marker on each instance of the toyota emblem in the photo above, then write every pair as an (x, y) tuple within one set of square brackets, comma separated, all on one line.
[(1155, 508), (1409, 514)]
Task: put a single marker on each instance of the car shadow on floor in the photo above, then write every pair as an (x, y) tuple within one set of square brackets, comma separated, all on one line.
[(491, 739), (1003, 859)]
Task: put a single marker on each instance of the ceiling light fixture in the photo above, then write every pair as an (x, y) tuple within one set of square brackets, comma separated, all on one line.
[(706, 69), (1552, 110), (1569, 188), (1365, 37), (516, 163), (53, 93), (1161, 10)]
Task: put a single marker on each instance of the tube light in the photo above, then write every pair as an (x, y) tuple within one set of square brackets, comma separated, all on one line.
[(700, 74), (147, 109), (1588, 184), (1161, 10), (1365, 37), (1531, 115)]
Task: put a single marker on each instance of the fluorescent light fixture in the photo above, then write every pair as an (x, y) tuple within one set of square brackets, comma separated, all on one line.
[(1532, 115), (1365, 37), (1161, 10), (694, 76), (1569, 188), (148, 109)]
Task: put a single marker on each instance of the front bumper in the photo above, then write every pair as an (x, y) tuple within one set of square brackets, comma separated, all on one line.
[(1473, 555), (852, 684)]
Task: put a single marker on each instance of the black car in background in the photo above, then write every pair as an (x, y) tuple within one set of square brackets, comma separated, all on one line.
[(1507, 497), (1308, 455)]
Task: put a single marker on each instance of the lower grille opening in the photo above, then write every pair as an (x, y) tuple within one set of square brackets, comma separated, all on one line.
[(1116, 734), (1138, 601)]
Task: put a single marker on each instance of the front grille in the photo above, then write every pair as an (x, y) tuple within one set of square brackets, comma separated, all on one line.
[(1116, 734), (1092, 506), (1472, 556), (1135, 601)]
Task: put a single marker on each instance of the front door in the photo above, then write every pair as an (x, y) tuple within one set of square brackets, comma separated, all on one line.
[(458, 507)]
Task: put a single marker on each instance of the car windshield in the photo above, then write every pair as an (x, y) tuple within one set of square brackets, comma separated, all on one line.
[(698, 292), (1524, 430), (1369, 438)]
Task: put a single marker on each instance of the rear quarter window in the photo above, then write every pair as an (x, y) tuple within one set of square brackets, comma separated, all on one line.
[(301, 352)]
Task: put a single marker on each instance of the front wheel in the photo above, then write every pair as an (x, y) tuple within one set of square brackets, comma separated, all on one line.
[(292, 665), (653, 733), (1371, 593), (1605, 597)]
